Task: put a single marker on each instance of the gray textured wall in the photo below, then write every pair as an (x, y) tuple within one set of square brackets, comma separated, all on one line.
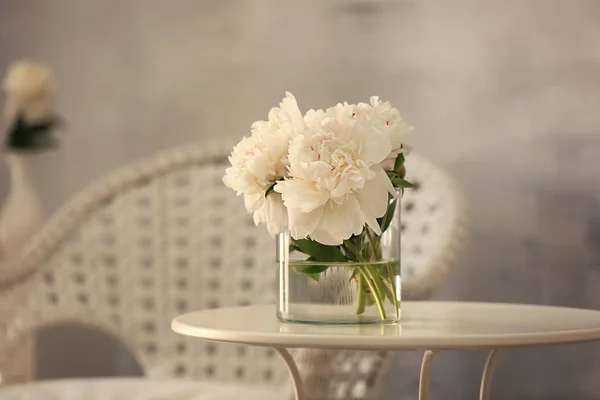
[(505, 95)]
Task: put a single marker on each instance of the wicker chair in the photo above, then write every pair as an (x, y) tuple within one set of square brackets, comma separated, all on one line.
[(164, 236)]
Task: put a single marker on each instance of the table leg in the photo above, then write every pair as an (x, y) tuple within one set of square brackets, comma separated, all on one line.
[(486, 379), (425, 375), (424, 380), (294, 372)]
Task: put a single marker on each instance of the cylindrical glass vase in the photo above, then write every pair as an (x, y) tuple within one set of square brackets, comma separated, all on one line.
[(354, 283)]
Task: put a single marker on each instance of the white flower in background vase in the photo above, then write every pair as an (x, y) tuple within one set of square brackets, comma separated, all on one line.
[(28, 87), (29, 91)]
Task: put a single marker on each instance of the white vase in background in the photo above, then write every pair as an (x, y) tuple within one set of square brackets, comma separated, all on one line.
[(22, 213)]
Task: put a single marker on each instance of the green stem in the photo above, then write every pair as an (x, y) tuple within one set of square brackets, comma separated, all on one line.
[(360, 301), (375, 294), (376, 280), (373, 247), (351, 248), (392, 279), (378, 288)]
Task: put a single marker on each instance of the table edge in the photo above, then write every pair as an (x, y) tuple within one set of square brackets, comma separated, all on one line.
[(291, 340)]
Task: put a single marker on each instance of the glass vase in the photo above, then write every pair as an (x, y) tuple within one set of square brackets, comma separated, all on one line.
[(354, 283)]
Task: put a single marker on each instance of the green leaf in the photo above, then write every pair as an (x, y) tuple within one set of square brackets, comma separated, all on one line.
[(270, 189), (320, 252), (403, 183), (386, 220), (312, 271), (399, 162), (398, 181), (24, 135)]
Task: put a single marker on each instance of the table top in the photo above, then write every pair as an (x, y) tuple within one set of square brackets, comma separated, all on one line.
[(423, 325)]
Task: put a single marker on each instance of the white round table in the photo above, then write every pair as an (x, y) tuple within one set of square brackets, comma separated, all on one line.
[(429, 326)]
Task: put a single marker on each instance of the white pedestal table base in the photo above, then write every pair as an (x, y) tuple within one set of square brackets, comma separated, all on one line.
[(425, 377)]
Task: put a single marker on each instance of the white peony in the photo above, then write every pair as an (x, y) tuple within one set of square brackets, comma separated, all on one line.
[(259, 161), (336, 182), (378, 116), (326, 168), (344, 113), (272, 214), (29, 87), (386, 119)]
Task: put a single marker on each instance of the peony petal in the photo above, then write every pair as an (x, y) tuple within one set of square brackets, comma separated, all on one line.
[(276, 215), (259, 216), (297, 157), (314, 118), (273, 214), (254, 201), (341, 221), (231, 180), (290, 106), (373, 198), (325, 238), (376, 148), (303, 224), (300, 194)]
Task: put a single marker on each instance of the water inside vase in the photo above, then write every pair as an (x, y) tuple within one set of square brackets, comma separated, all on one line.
[(339, 292)]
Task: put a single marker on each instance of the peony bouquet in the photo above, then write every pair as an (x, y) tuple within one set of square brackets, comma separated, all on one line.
[(331, 178)]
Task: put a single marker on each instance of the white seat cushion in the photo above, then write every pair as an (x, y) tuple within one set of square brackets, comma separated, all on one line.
[(137, 389)]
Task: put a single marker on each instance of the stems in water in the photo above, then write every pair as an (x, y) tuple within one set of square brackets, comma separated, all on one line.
[(374, 292), (392, 279), (360, 301)]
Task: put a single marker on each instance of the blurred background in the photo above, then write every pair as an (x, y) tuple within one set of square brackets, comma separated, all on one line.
[(505, 96)]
